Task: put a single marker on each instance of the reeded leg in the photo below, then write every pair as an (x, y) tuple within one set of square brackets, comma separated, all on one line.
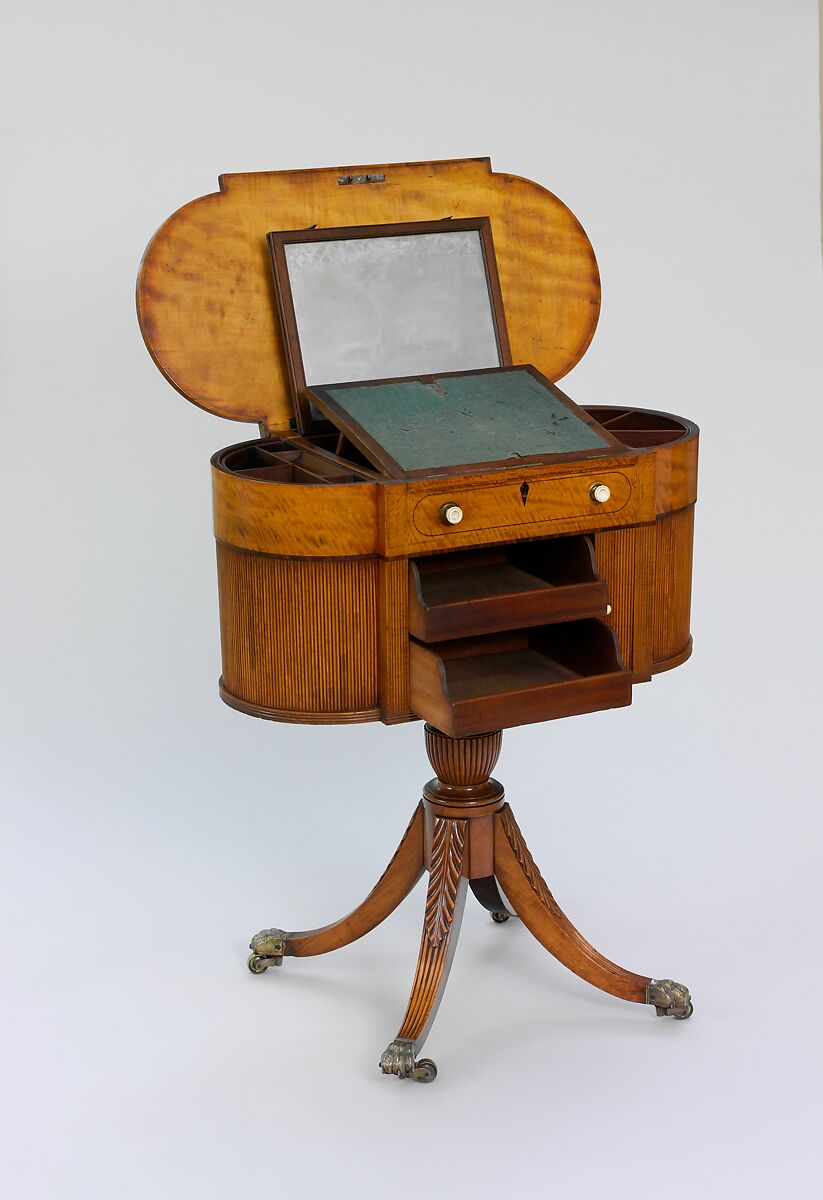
[(534, 904), (445, 899), (487, 893), (270, 945)]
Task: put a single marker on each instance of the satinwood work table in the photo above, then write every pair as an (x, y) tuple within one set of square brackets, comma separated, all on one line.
[(477, 595)]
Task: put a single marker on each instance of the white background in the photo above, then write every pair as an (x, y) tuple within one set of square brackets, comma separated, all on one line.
[(147, 830)]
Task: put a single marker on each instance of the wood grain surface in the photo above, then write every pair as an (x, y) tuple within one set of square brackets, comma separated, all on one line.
[(322, 521), (299, 637), (205, 293), (626, 561), (529, 895), (670, 440), (445, 898), (472, 685), (671, 604), (559, 501)]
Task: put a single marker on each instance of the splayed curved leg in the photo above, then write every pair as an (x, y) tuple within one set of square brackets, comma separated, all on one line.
[(487, 893), (271, 945), (529, 894), (445, 899)]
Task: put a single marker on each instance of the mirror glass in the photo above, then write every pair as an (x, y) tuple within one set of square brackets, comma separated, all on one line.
[(387, 306)]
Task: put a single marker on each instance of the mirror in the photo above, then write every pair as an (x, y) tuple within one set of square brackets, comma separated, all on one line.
[(387, 302)]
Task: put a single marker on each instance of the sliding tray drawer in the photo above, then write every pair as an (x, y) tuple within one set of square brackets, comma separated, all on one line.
[(471, 592), (475, 685)]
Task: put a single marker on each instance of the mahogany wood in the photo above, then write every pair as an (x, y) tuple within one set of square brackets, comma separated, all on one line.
[(488, 894), (470, 685), (299, 636), (314, 547), (475, 592), (626, 560), (354, 612), (529, 896), (392, 640), (445, 898), (464, 766), (673, 588)]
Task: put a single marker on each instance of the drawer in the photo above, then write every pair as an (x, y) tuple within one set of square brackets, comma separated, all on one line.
[(475, 685), (473, 592), (586, 499)]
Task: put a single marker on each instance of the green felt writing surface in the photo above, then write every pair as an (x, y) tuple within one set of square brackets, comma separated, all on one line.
[(451, 420)]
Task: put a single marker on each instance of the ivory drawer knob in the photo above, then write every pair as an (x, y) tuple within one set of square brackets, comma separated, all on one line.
[(451, 514), (600, 493)]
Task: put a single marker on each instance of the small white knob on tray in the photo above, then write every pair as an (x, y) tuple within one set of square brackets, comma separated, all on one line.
[(600, 493)]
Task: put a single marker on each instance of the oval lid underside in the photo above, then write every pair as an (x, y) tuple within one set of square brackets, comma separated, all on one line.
[(205, 295)]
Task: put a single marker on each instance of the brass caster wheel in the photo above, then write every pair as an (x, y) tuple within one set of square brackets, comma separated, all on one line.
[(425, 1071), (670, 999), (398, 1059), (500, 917), (267, 950)]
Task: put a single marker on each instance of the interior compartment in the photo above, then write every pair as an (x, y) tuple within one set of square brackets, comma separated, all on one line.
[(639, 427), (286, 462), (474, 685), (336, 446), (473, 592)]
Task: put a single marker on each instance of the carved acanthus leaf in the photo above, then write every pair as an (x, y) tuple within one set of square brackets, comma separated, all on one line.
[(448, 849), (527, 864)]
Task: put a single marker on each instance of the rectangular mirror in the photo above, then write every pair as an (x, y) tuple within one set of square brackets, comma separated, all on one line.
[(387, 301)]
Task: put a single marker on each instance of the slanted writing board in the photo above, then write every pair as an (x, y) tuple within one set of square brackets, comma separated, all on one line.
[(452, 421)]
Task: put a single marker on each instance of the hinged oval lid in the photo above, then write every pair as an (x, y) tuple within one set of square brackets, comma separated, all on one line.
[(205, 296)]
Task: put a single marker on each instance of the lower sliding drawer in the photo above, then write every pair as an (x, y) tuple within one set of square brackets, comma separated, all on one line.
[(475, 685)]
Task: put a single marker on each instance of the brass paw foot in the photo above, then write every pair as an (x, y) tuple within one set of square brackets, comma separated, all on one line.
[(267, 950), (398, 1059), (670, 999)]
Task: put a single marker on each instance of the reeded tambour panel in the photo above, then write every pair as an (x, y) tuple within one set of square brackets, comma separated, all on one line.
[(299, 637), (625, 560), (393, 639), (672, 641), (648, 571)]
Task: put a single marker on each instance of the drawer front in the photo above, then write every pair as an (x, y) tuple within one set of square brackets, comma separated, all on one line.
[(559, 500)]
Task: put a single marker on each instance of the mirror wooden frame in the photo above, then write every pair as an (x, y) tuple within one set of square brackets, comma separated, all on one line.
[(305, 419)]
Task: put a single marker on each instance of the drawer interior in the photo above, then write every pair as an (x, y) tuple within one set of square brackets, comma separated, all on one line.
[(473, 685), (468, 593)]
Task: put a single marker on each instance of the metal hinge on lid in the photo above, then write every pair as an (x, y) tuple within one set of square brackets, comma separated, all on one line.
[(341, 179)]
